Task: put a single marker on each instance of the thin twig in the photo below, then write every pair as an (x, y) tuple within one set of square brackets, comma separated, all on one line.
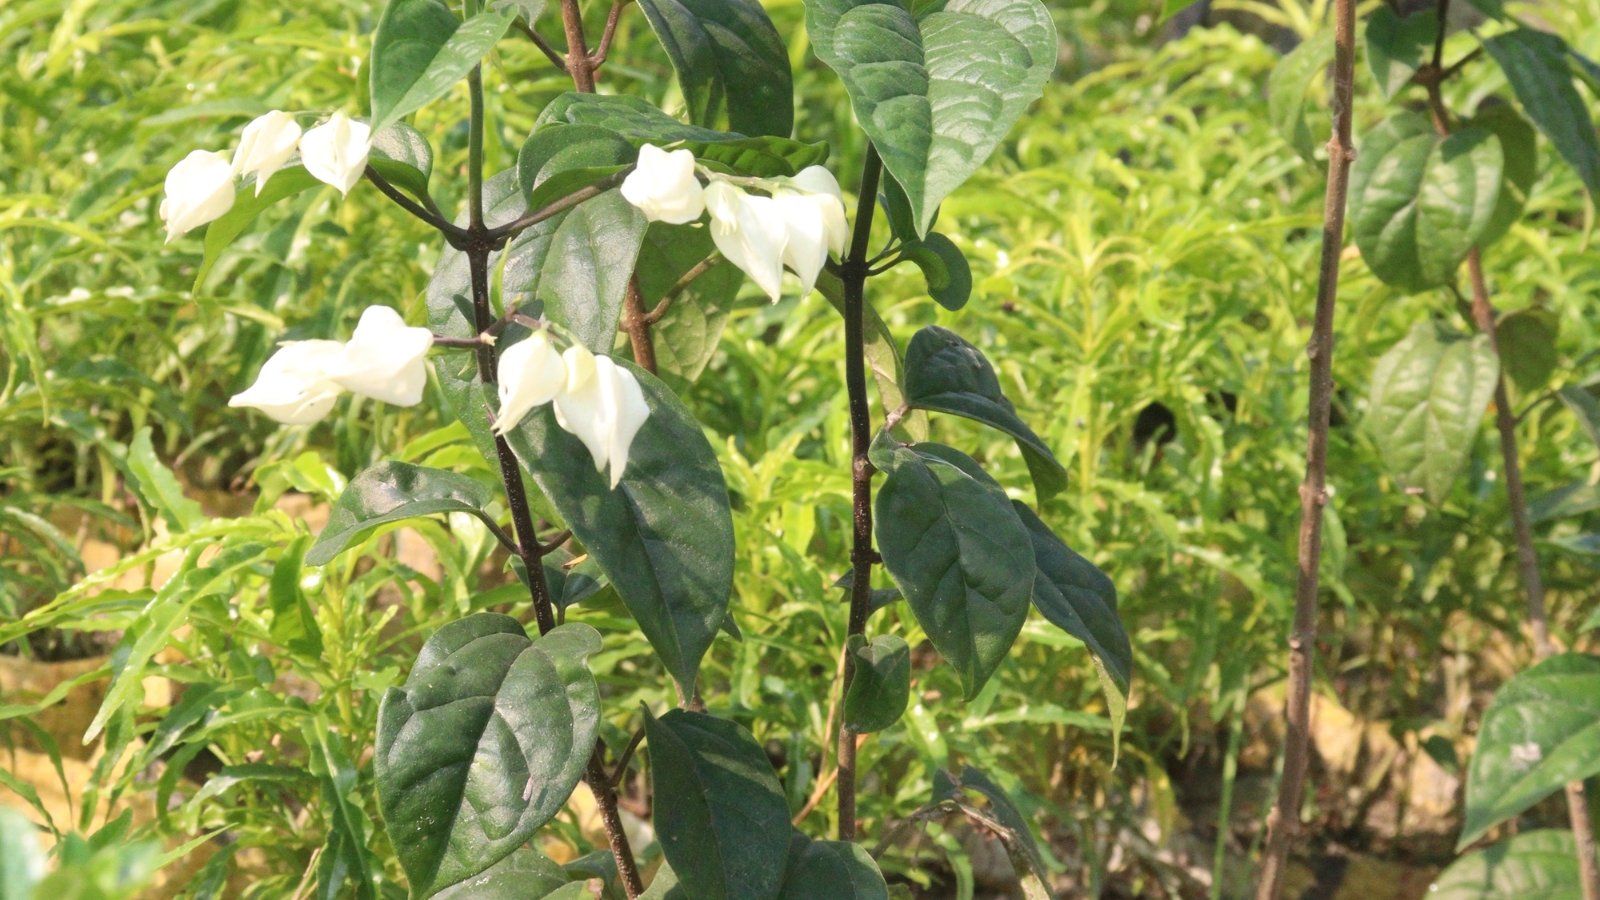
[(598, 58), (659, 311), (544, 46), (504, 537), (471, 343), (621, 770), (430, 215), (512, 229), (825, 782), (555, 542), (1284, 821), (636, 322)]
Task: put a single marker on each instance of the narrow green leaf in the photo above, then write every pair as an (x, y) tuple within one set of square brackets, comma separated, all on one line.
[(946, 374), (1583, 403), (1170, 8), (1541, 864), (1078, 598), (937, 94), (483, 744), (1003, 809), (1541, 731), (391, 491), (1419, 202), (944, 267), (880, 685), (422, 50), (294, 625), (1427, 400), (220, 234), (958, 552), (1592, 622), (730, 60), (1288, 90), (158, 487), (831, 870), (1535, 62), (719, 810)]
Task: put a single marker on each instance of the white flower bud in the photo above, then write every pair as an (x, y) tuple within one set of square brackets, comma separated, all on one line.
[(266, 144), (664, 187), (199, 190), (750, 233), (295, 385), (603, 405), (335, 152), (530, 374), (385, 359)]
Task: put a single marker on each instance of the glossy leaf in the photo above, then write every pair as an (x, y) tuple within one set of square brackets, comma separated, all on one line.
[(958, 552), (1288, 90), (640, 123), (946, 374), (1540, 732), (525, 873), (402, 156), (731, 63), (880, 685), (1397, 47), (391, 491), (831, 870), (720, 813), (1541, 864), (558, 161), (1535, 62), (944, 267), (1419, 202), (1521, 154), (936, 94), (422, 50), (687, 334), (1527, 339), (1078, 598), (483, 744), (1427, 400), (663, 537)]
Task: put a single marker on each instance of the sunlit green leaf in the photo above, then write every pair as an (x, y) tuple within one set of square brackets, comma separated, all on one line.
[(880, 685), (422, 50), (730, 60), (1535, 62), (391, 491), (1288, 90), (1541, 864)]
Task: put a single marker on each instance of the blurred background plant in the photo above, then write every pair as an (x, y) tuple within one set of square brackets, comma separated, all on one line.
[(1143, 251)]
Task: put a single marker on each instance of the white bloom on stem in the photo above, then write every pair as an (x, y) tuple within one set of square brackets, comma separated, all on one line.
[(603, 405), (664, 187), (296, 385), (824, 188), (199, 190), (750, 232), (530, 374), (266, 144), (385, 359), (335, 152)]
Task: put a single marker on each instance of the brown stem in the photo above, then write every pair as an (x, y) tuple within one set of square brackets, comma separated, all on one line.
[(636, 322), (550, 53), (854, 276), (659, 311), (579, 65), (605, 798), (1284, 821), (598, 57)]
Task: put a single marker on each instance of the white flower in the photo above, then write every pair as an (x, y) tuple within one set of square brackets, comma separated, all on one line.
[(664, 187), (266, 144), (824, 188), (385, 359), (530, 374), (603, 405), (199, 190), (335, 152), (295, 385), (750, 233)]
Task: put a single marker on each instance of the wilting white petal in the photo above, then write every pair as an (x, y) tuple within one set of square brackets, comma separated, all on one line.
[(750, 233), (385, 359), (199, 190), (335, 152), (664, 187), (603, 405), (805, 248), (530, 373), (631, 413), (295, 385), (266, 144), (820, 183)]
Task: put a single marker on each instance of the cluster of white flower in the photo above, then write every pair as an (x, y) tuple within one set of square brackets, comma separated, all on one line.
[(798, 223), (594, 398), (200, 188)]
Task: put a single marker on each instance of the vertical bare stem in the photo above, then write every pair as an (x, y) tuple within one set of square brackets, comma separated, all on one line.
[(579, 64), (636, 322), (1284, 821), (854, 275)]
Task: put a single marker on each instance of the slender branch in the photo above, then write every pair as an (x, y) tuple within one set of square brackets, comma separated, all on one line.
[(598, 58), (620, 771), (605, 796), (855, 378), (512, 229), (555, 542), (579, 64), (1284, 821), (475, 151), (550, 52), (429, 214), (659, 311), (636, 322), (444, 340), (1456, 66), (504, 537)]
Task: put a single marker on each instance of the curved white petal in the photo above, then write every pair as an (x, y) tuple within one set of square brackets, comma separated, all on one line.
[(335, 152), (581, 406), (631, 411), (805, 248), (664, 187), (385, 359), (530, 374), (199, 189), (295, 386), (749, 231), (265, 145)]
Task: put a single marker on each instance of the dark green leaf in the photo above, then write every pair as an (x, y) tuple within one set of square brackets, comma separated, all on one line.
[(483, 744), (1541, 864), (402, 156), (1288, 90), (831, 870), (1540, 732), (897, 209), (1521, 155), (1397, 47), (285, 182), (945, 268), (730, 60), (389, 492), (946, 374), (1535, 62), (1078, 598), (1494, 9), (1419, 202), (880, 684), (1003, 808), (157, 486), (558, 161), (1170, 8), (686, 337), (955, 547), (1586, 406), (663, 537), (1527, 339), (719, 810), (641, 123), (936, 95), (1427, 400), (422, 50), (525, 873)]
